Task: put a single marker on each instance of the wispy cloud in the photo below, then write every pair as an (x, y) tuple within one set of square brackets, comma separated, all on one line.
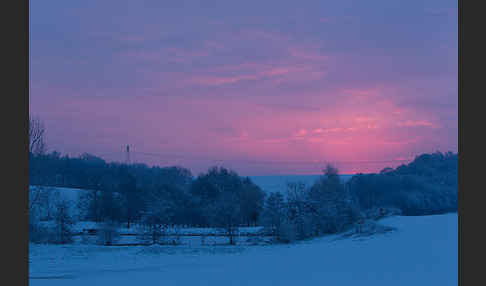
[(282, 73), (417, 123), (244, 81), (301, 133)]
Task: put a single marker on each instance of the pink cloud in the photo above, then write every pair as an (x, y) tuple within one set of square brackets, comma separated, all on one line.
[(242, 136), (301, 133), (357, 92), (418, 123), (337, 129), (364, 119), (316, 140), (404, 142), (215, 80), (277, 71), (333, 130), (306, 53), (248, 71)]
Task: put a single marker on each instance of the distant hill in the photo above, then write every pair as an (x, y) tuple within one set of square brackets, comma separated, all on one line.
[(428, 185)]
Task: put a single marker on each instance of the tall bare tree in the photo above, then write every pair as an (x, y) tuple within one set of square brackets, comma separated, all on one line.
[(37, 144)]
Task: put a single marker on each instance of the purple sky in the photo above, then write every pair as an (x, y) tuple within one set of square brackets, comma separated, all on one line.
[(262, 87)]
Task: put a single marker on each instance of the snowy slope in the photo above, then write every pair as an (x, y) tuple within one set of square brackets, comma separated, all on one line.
[(70, 194), (423, 251)]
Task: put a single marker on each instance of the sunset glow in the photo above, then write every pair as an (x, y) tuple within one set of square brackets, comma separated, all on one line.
[(262, 87)]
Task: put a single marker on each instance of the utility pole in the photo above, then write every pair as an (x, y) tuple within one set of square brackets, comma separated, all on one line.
[(128, 155)]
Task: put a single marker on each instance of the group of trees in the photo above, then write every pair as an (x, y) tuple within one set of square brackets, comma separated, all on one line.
[(428, 185), (46, 205), (153, 197), (325, 207), (157, 198), (223, 199)]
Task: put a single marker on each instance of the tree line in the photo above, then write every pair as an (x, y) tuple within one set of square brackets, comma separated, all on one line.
[(159, 197)]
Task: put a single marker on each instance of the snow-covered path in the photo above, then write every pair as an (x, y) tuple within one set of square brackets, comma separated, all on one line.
[(422, 252)]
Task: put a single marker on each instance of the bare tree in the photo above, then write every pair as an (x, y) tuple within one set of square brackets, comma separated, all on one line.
[(37, 144)]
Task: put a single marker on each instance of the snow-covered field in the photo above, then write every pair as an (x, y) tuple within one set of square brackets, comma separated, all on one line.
[(422, 251)]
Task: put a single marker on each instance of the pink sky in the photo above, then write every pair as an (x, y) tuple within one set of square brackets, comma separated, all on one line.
[(253, 91)]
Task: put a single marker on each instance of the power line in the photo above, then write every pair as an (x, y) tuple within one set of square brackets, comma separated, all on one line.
[(268, 161), (247, 161), (128, 154)]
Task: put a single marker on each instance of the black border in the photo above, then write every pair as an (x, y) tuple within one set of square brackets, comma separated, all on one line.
[(470, 174), (471, 123), (15, 118)]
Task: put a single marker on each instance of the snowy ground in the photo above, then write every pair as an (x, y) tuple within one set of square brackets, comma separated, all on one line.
[(187, 241), (80, 225), (423, 251)]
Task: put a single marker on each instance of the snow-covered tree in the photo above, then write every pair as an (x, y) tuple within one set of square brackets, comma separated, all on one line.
[(333, 208), (156, 219), (274, 213), (226, 214), (299, 211), (63, 223)]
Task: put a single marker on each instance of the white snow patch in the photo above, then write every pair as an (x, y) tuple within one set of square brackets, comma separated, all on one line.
[(423, 251)]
